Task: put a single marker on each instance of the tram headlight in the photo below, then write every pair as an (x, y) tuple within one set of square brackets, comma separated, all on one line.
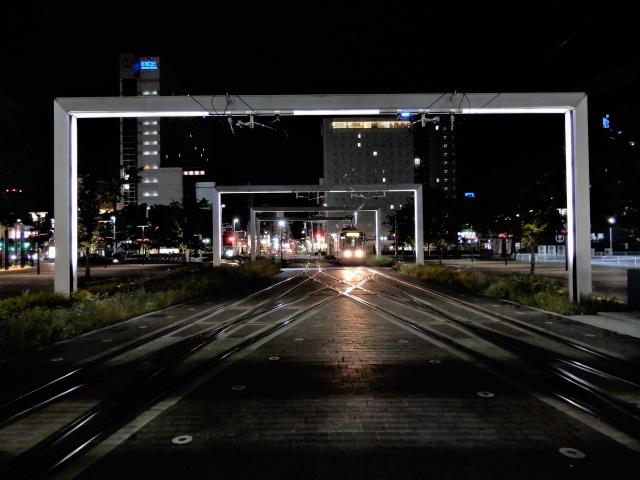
[(359, 253)]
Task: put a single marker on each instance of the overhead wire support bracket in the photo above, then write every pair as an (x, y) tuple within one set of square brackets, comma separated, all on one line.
[(252, 123), (423, 119)]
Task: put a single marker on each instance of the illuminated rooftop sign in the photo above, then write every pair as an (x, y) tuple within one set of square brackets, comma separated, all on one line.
[(148, 65)]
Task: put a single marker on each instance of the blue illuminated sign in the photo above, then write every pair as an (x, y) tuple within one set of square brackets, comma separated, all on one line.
[(148, 65)]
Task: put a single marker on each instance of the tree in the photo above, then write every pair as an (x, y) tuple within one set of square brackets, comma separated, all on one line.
[(530, 236), (92, 194), (164, 228)]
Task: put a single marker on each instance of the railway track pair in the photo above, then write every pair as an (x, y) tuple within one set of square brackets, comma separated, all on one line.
[(48, 428)]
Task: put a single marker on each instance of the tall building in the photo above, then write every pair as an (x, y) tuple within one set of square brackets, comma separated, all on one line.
[(377, 151), (169, 168), (442, 161), (435, 155)]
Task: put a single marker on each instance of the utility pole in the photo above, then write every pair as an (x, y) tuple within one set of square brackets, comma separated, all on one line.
[(281, 239)]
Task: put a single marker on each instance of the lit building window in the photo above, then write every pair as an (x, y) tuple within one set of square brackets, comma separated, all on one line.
[(368, 125)]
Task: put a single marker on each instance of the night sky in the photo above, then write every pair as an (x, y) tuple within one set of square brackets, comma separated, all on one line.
[(326, 48)]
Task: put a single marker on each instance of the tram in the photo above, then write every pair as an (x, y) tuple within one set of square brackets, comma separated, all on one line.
[(351, 246)]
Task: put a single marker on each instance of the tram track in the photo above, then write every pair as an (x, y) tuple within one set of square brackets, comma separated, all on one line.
[(145, 372), (580, 369), (134, 391)]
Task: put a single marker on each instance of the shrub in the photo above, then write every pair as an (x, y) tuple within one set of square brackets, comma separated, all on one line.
[(380, 261), (35, 320), (535, 291)]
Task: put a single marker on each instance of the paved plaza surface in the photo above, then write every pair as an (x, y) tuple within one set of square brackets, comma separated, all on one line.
[(346, 394)]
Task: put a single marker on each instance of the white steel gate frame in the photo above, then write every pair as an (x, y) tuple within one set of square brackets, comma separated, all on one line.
[(573, 106)]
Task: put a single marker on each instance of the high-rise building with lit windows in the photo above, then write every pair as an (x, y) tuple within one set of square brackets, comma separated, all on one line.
[(171, 152), (378, 151), (441, 156)]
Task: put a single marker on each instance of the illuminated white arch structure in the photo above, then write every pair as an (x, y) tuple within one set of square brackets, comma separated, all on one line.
[(573, 106), (213, 194)]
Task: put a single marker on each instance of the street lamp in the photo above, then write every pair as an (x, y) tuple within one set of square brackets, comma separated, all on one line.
[(281, 223), (115, 245), (612, 220), (17, 243), (235, 237), (142, 243), (395, 236)]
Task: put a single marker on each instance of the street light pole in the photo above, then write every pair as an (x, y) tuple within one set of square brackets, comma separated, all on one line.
[(115, 245), (612, 220), (504, 248), (104, 241), (38, 251), (395, 236), (235, 237), (142, 242), (281, 238)]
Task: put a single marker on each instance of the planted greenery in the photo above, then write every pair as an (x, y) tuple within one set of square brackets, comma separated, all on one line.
[(35, 320), (380, 261), (531, 290)]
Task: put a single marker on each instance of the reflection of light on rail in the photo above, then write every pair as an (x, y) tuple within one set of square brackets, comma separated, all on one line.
[(351, 274)]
